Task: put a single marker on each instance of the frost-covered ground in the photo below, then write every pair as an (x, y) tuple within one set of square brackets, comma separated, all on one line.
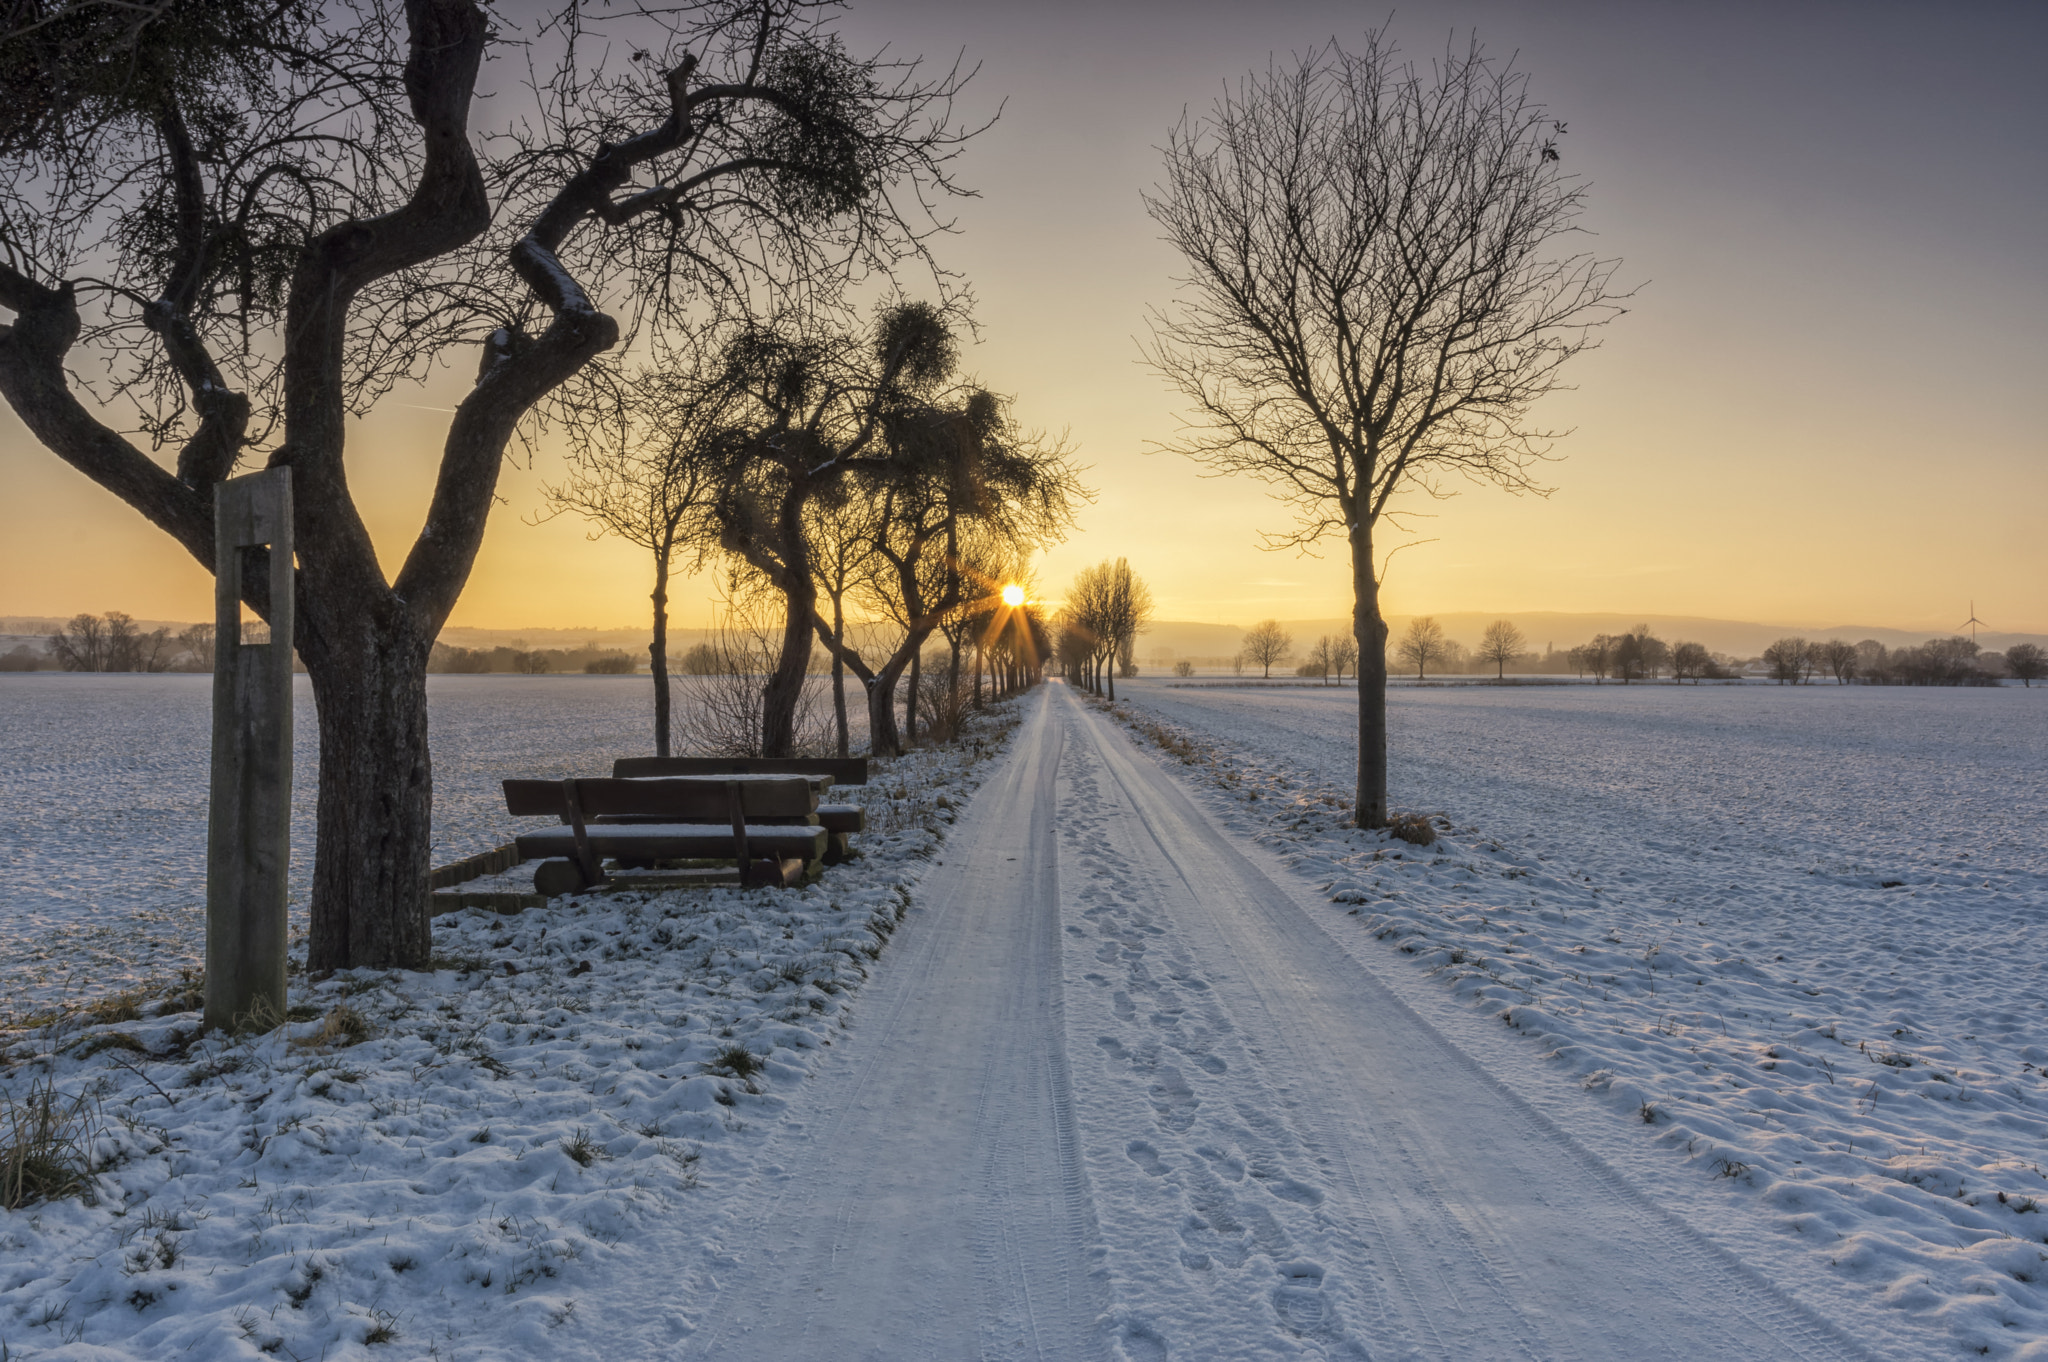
[(449, 1162), (1792, 939), (103, 785)]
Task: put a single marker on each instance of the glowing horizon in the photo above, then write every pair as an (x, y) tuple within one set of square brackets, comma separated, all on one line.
[(1817, 411)]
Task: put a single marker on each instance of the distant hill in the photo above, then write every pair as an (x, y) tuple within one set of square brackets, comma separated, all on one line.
[(1168, 640)]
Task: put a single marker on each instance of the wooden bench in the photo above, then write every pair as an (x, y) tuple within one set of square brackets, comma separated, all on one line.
[(840, 821), (768, 827)]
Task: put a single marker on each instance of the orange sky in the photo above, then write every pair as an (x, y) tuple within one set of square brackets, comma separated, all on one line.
[(1820, 410)]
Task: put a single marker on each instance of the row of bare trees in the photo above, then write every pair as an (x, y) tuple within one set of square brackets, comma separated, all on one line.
[(1107, 607), (835, 468)]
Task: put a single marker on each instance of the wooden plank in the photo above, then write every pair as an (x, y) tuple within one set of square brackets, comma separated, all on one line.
[(536, 799), (697, 800), (677, 841), (843, 770)]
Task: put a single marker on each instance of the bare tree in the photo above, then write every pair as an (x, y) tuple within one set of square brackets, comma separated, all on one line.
[(1639, 653), (1344, 654), (2028, 662), (1319, 660), (818, 403), (1423, 644), (1367, 307), (1598, 656), (259, 218), (840, 531), (646, 471), (1838, 655), (197, 642), (1501, 644), (1266, 644), (953, 470), (1790, 660), (1691, 661), (82, 645)]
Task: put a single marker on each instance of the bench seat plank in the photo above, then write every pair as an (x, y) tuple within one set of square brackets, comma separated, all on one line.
[(842, 770), (665, 841)]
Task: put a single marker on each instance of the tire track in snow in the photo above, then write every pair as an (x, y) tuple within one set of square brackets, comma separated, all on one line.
[(931, 1201), (1498, 1234)]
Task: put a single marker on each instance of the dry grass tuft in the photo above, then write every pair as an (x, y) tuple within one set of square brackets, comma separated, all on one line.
[(342, 1027), (1413, 828), (45, 1147)]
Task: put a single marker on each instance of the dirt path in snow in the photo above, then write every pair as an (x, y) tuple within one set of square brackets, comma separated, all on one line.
[(1115, 1093)]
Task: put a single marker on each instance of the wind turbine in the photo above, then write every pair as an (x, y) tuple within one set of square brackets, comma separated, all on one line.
[(1972, 622)]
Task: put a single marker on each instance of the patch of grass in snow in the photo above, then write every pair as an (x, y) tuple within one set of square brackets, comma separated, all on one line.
[(1413, 828), (736, 1060), (580, 1146), (342, 1027), (45, 1146)]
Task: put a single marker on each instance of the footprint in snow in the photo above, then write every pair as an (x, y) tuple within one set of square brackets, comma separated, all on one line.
[(1287, 1189), (1298, 1300), (1173, 1099), (1147, 1158)]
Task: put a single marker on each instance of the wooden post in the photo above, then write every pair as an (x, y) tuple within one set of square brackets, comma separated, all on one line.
[(249, 824)]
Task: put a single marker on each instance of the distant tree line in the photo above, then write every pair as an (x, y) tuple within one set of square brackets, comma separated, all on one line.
[(114, 643), (1937, 662), (590, 658)]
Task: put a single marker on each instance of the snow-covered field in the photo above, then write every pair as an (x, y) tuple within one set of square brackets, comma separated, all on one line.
[(1791, 938), (1774, 955), (103, 785), (450, 1162)]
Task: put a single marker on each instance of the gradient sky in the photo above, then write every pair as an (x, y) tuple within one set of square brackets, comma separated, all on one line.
[(1821, 409)]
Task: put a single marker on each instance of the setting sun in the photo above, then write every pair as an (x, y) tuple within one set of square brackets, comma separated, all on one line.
[(1013, 595)]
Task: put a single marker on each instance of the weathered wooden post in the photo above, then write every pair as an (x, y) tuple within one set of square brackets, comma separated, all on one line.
[(249, 826)]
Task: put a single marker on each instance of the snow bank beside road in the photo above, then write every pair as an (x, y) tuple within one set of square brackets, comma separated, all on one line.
[(453, 1160), (1849, 1077)]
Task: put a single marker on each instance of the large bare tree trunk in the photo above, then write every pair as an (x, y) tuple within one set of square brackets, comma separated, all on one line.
[(784, 692), (374, 840), (884, 739), (1371, 632)]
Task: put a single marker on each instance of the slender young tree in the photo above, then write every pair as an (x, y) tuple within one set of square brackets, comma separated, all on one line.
[(258, 218), (1501, 644), (648, 474), (1368, 306), (1423, 644), (1266, 644)]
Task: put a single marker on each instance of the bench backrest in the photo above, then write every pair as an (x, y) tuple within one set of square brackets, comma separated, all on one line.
[(685, 801), (843, 770)]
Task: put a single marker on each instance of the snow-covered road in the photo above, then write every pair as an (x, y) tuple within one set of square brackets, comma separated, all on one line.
[(1117, 1092)]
